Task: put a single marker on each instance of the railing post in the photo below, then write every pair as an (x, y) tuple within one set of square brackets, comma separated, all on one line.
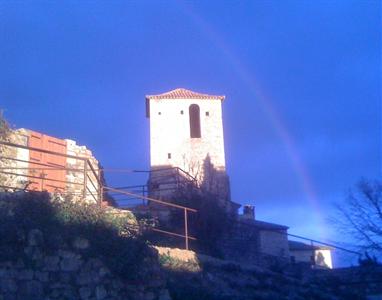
[(85, 178), (42, 180), (100, 194), (177, 178), (100, 187), (313, 258), (186, 228)]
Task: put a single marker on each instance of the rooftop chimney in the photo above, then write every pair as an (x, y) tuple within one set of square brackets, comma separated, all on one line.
[(249, 212)]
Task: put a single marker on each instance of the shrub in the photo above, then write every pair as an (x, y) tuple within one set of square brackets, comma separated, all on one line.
[(4, 136), (4, 127), (209, 225)]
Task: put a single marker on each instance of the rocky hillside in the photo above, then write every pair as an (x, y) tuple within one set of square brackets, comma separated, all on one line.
[(55, 249)]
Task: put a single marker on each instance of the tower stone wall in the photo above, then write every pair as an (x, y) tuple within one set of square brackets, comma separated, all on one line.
[(170, 141), (186, 131)]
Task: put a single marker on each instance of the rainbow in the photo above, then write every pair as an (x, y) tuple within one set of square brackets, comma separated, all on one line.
[(275, 118)]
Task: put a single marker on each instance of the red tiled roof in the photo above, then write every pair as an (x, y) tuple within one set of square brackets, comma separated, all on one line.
[(184, 94)]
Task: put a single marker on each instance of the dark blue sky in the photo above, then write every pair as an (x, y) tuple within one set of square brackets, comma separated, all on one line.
[(302, 81)]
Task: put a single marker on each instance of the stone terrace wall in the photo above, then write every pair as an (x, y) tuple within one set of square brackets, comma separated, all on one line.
[(66, 274), (78, 177)]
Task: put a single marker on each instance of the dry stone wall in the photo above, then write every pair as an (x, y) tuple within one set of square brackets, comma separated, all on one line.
[(76, 178), (66, 274)]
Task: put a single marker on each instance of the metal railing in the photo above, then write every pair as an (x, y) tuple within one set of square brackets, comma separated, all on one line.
[(185, 209), (178, 173), (91, 178), (90, 174)]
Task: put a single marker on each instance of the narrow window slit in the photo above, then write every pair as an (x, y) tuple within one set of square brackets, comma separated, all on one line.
[(195, 131)]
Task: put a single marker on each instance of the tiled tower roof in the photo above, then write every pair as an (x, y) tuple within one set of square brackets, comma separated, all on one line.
[(184, 94)]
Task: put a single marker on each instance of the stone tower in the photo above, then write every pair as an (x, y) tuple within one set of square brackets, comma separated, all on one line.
[(186, 131)]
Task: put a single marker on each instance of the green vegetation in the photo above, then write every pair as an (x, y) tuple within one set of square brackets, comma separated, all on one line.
[(175, 263), (62, 221), (4, 127), (106, 195), (4, 136), (209, 225)]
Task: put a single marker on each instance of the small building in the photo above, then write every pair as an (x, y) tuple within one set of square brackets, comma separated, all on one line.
[(272, 239), (315, 256), (256, 242), (38, 162)]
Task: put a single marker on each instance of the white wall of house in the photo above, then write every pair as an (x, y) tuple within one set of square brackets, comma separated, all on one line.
[(322, 257)]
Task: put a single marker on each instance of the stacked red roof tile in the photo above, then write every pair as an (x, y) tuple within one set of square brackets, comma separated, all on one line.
[(184, 94)]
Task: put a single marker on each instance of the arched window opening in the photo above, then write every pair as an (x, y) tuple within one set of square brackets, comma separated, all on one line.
[(194, 112)]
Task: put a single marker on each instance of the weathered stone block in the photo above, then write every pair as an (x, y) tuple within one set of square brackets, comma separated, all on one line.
[(66, 254), (3, 273), (100, 292), (51, 263), (19, 264), (57, 285), (85, 292), (25, 275), (65, 277), (42, 276), (69, 293), (31, 290), (8, 285), (12, 273), (55, 293), (85, 278), (164, 295), (149, 296), (103, 272), (95, 263), (9, 296), (80, 243), (33, 252), (70, 264), (35, 237), (117, 284)]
